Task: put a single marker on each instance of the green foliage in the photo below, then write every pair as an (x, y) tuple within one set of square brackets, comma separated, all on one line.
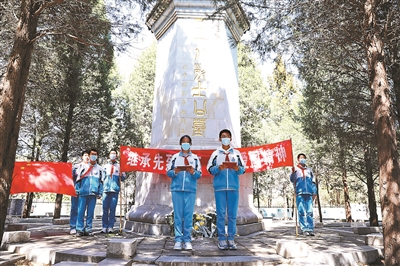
[(134, 103), (253, 99)]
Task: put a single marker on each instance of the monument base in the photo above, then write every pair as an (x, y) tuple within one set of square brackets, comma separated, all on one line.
[(151, 220)]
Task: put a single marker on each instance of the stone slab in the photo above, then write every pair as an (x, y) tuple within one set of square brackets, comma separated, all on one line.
[(14, 237), (60, 221), (80, 255), (122, 248), (16, 227), (12, 220), (318, 224), (74, 263), (114, 262), (361, 255), (374, 239), (292, 249), (247, 229), (361, 230), (148, 228), (217, 261)]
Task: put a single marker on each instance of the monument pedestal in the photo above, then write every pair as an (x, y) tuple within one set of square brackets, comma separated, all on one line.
[(196, 93)]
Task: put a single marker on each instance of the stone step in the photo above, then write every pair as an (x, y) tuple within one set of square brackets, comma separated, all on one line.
[(74, 263), (374, 239), (10, 237), (93, 254), (115, 262), (122, 248), (8, 258), (355, 255), (219, 260), (36, 252)]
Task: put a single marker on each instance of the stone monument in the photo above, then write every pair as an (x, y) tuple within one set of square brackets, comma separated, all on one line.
[(196, 93)]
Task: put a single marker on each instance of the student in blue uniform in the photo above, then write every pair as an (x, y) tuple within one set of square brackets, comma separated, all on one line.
[(111, 189), (305, 188), (226, 164), (184, 169), (89, 187), (74, 200)]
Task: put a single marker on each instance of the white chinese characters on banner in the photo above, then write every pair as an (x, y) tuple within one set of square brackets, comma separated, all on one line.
[(255, 159)]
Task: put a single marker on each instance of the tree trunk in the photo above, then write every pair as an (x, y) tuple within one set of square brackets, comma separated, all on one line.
[(34, 157), (394, 71), (64, 157), (12, 96), (373, 215), (73, 81), (28, 205), (318, 201), (347, 205), (388, 160)]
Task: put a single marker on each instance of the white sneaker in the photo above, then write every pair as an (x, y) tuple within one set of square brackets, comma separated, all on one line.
[(110, 230), (232, 245), (103, 231), (178, 246), (72, 232), (187, 246)]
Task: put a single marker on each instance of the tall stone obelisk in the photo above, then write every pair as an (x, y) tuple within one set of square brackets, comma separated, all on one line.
[(196, 93)]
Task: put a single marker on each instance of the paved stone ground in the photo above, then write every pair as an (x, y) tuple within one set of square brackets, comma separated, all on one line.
[(333, 244)]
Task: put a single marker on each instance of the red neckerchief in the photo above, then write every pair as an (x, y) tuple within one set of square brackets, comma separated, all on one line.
[(87, 172), (302, 169)]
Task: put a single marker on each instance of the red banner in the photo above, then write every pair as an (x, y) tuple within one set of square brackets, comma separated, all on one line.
[(256, 159), (43, 177)]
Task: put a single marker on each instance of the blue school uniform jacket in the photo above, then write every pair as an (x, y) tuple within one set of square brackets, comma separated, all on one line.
[(91, 183), (111, 178), (227, 179), (303, 181), (184, 181)]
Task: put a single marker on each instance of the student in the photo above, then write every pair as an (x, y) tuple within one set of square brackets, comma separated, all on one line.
[(184, 169), (226, 164), (89, 187), (111, 189), (74, 200), (305, 188)]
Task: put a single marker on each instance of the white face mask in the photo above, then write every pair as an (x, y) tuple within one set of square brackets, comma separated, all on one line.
[(93, 158), (226, 141), (303, 161), (113, 156)]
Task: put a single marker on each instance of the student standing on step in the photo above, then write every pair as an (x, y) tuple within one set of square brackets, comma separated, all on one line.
[(226, 164), (184, 169), (89, 187), (305, 188), (74, 200), (111, 189)]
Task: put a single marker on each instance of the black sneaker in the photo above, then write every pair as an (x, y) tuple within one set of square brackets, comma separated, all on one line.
[(311, 233), (88, 233), (306, 233), (79, 233)]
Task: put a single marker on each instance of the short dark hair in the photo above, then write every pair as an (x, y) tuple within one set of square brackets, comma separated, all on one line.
[(300, 154), (185, 136), (83, 152), (225, 131), (113, 150), (93, 149)]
